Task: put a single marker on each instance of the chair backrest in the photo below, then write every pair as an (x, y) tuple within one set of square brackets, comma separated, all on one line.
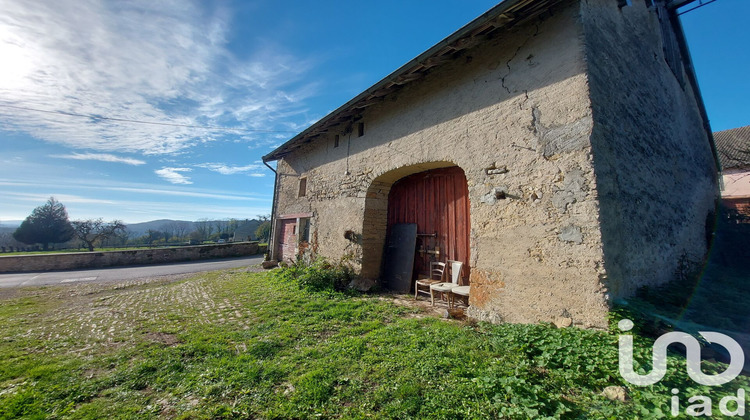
[(456, 267), (437, 270)]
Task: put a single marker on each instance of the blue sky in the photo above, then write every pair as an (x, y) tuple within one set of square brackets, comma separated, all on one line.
[(207, 88)]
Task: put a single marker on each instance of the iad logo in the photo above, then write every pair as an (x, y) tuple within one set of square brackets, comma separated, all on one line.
[(693, 350), (701, 405)]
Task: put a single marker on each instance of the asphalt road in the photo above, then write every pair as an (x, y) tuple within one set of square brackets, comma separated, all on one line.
[(122, 273)]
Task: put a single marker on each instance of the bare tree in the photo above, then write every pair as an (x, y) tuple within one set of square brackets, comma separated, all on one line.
[(180, 229), (232, 226), (94, 231), (118, 239), (7, 240), (221, 228), (204, 228), (167, 231)]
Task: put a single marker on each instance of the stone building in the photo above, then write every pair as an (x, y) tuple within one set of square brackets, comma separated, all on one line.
[(559, 149), (733, 147)]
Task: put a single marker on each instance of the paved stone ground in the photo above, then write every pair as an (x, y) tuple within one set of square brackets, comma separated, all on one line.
[(83, 315)]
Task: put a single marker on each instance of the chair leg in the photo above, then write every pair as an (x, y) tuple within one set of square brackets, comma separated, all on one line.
[(432, 297), (416, 290)]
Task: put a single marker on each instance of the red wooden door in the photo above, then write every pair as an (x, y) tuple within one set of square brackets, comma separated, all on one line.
[(287, 239), (438, 202)]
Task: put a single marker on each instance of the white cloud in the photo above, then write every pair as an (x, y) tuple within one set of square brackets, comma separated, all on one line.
[(63, 198), (156, 61), (104, 157), (130, 201), (173, 175), (230, 170), (132, 211), (137, 188)]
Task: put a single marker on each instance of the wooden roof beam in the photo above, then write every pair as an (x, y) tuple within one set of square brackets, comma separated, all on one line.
[(437, 60), (406, 78), (372, 100)]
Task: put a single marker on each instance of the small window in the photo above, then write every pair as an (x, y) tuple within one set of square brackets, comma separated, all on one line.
[(360, 129), (336, 141), (302, 187), (304, 229)]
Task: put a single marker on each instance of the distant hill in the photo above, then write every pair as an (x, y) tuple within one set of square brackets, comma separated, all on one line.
[(246, 227), (4, 229), (140, 229)]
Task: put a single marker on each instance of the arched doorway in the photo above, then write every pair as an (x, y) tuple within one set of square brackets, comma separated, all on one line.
[(437, 201), (437, 194)]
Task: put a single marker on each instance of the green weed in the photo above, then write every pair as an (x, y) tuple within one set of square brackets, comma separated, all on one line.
[(270, 349), (319, 276)]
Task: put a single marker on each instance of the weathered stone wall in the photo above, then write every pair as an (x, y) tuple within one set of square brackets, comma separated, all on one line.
[(79, 260), (654, 168), (514, 114)]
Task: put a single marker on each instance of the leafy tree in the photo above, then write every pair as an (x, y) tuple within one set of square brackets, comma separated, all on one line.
[(95, 231), (263, 232), (232, 227), (195, 236), (152, 236), (47, 224), (122, 238)]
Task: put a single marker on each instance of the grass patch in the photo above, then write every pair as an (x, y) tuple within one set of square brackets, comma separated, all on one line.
[(253, 345), (710, 297)]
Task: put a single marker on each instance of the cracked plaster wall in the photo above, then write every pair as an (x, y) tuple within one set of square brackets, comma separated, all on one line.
[(514, 114), (589, 172)]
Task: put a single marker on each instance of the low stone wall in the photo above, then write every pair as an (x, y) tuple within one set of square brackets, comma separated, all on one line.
[(79, 260)]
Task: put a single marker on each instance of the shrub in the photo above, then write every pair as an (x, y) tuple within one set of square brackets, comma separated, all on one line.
[(319, 276)]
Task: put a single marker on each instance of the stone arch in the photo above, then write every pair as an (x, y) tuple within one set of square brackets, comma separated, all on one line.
[(375, 220)]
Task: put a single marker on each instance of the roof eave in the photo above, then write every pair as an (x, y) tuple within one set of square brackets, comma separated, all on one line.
[(497, 17)]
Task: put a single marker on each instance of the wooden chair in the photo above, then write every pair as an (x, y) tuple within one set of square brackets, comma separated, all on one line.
[(437, 270), (443, 288), (458, 291)]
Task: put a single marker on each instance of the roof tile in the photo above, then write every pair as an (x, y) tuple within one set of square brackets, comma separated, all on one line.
[(733, 147)]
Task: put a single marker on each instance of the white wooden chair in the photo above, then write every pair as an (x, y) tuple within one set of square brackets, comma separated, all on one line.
[(443, 288), (458, 291), (437, 271)]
